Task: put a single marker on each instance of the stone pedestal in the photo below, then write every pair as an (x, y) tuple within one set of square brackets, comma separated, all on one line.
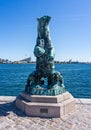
[(46, 106)]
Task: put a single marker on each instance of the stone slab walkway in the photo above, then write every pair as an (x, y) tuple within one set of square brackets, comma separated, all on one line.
[(13, 119)]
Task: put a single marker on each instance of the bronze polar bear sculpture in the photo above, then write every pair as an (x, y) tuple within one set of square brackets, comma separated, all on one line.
[(44, 75)]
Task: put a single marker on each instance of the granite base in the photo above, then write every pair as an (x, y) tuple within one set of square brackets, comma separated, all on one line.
[(46, 106)]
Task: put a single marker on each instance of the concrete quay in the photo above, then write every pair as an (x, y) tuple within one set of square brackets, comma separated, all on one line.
[(13, 119)]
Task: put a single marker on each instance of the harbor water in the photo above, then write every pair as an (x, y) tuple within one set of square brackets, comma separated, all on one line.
[(77, 78)]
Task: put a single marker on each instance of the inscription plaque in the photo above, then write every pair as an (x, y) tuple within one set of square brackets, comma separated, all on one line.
[(43, 110)]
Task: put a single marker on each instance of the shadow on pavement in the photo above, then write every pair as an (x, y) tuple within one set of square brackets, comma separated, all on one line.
[(9, 107)]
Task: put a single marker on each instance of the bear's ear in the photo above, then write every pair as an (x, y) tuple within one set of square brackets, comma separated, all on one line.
[(38, 19), (49, 17)]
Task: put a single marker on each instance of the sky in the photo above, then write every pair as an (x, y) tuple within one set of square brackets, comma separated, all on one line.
[(70, 28)]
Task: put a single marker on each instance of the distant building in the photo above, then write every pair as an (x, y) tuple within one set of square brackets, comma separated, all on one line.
[(26, 60), (4, 61)]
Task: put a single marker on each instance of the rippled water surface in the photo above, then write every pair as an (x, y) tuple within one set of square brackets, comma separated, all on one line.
[(77, 78)]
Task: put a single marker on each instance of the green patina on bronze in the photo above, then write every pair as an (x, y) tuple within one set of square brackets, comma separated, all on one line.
[(44, 80)]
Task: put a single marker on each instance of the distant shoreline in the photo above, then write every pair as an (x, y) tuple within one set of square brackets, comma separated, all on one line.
[(29, 61), (56, 62)]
